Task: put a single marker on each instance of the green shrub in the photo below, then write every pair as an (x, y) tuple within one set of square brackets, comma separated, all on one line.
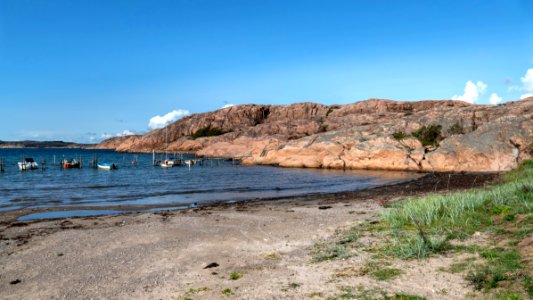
[(429, 135), (399, 135)]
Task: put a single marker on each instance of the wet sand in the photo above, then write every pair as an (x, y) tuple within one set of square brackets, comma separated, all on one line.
[(164, 254)]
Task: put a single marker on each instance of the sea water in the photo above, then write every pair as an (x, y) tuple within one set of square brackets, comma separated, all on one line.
[(143, 184)]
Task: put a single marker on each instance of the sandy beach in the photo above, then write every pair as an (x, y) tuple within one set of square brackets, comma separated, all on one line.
[(251, 250)]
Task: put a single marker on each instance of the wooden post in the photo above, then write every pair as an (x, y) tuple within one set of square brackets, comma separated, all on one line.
[(1, 165)]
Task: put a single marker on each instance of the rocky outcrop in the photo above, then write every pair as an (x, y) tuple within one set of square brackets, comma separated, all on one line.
[(362, 135)]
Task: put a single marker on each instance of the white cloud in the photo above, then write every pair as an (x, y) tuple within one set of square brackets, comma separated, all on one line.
[(106, 135), (472, 92), (524, 96), (495, 99), (527, 81), (228, 105), (161, 121), (126, 133)]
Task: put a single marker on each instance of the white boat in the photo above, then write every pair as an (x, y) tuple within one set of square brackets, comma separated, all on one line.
[(167, 163), (28, 164), (107, 166)]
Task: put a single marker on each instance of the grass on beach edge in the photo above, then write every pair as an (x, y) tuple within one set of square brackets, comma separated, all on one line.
[(421, 227)]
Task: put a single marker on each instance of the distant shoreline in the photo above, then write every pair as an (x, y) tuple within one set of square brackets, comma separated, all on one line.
[(43, 144)]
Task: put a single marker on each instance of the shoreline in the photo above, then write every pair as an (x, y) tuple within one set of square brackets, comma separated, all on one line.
[(438, 180), (166, 254)]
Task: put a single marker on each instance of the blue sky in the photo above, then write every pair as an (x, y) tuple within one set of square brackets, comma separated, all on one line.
[(81, 70)]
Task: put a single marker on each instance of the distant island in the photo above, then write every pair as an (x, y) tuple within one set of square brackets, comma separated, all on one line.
[(42, 144)]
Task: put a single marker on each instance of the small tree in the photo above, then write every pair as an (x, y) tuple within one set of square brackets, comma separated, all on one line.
[(429, 135)]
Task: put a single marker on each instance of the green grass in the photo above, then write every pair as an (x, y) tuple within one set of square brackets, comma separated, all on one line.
[(461, 266), (380, 270), (401, 296), (234, 275), (363, 293), (272, 256), (315, 294), (386, 273), (528, 285), (506, 295), (423, 226), (294, 285), (197, 290), (341, 248), (227, 292)]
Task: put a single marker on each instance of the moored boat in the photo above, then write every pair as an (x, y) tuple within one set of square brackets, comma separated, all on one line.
[(107, 166), (71, 163), (28, 164), (169, 163)]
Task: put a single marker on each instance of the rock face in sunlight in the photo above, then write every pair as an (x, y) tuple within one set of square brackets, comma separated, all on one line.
[(373, 134)]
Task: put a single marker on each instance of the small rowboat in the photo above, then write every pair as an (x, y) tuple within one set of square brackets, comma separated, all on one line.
[(107, 166)]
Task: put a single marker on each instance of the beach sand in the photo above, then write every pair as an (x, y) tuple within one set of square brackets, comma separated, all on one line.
[(164, 255)]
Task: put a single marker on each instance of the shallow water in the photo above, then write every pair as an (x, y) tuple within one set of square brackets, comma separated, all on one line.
[(144, 184)]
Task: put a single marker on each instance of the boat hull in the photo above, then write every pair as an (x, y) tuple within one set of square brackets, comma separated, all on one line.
[(23, 166), (71, 166), (107, 166)]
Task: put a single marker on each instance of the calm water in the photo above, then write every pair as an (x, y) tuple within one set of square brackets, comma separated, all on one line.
[(144, 184)]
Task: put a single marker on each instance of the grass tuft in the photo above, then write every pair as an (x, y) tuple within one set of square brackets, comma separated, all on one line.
[(227, 292), (341, 248), (234, 275)]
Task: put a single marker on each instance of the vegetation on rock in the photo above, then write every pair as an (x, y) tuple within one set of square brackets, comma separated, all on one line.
[(399, 135), (456, 128), (429, 135), (207, 131)]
